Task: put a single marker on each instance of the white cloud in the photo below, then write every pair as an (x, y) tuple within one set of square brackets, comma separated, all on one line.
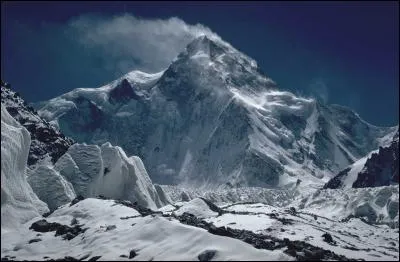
[(127, 41), (319, 89)]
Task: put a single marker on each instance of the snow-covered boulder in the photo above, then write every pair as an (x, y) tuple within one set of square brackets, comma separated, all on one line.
[(50, 186), (18, 202), (197, 207), (106, 170)]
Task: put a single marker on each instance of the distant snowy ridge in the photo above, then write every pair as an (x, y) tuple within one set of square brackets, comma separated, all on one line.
[(213, 118)]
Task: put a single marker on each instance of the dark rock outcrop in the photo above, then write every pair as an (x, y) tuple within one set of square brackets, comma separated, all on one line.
[(380, 169), (65, 231), (206, 255), (45, 138)]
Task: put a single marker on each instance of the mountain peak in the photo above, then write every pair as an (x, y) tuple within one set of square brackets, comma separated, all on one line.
[(204, 46)]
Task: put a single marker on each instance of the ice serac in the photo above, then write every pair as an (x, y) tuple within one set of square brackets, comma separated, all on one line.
[(379, 168), (106, 170), (50, 186), (18, 202), (46, 139), (213, 119)]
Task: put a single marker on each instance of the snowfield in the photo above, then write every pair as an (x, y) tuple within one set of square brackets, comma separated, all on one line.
[(354, 238), (114, 230)]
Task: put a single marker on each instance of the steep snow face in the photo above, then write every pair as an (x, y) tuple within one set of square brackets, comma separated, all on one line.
[(116, 232), (106, 170), (379, 168), (18, 202), (212, 118), (45, 138), (50, 186)]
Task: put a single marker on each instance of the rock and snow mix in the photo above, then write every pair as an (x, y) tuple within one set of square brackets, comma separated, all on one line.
[(45, 138), (376, 205), (379, 168), (352, 238)]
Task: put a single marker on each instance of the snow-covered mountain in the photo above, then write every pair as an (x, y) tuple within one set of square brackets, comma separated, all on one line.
[(45, 138), (213, 118), (379, 168)]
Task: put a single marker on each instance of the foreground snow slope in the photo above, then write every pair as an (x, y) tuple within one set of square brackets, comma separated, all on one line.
[(212, 118), (106, 170), (114, 230), (352, 238), (18, 202)]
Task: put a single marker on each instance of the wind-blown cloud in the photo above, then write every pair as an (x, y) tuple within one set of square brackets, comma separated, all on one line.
[(91, 50), (133, 42), (319, 89)]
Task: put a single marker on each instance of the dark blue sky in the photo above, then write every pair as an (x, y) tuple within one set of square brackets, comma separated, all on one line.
[(345, 52)]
